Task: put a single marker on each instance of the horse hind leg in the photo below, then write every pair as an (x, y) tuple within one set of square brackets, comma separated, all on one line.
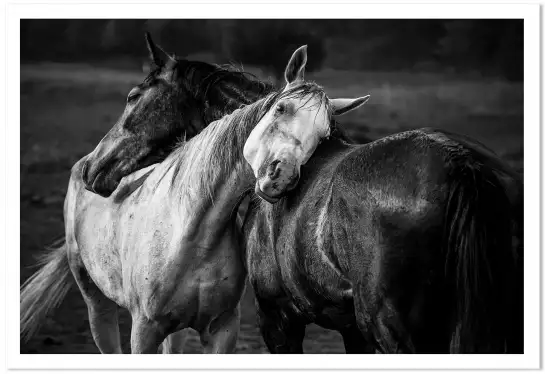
[(103, 316), (221, 334)]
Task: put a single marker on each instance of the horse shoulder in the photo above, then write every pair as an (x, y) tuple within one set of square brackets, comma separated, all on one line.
[(93, 228), (324, 255)]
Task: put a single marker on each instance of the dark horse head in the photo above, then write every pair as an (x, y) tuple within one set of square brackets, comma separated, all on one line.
[(175, 101)]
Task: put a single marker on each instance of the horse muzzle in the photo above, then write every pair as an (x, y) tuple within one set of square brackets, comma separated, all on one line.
[(101, 181), (280, 177)]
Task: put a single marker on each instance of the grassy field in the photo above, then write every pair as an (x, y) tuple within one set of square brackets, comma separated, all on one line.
[(66, 109)]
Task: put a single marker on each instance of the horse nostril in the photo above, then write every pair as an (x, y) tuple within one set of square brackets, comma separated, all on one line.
[(272, 171), (293, 183)]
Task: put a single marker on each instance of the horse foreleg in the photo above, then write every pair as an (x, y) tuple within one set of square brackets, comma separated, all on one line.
[(174, 343), (146, 335), (222, 333), (355, 342), (383, 323), (281, 331), (102, 311)]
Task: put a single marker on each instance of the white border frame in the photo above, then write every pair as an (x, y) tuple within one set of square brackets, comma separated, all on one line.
[(244, 9)]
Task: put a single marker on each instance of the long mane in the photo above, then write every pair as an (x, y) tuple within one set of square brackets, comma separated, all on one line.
[(199, 163), (225, 74)]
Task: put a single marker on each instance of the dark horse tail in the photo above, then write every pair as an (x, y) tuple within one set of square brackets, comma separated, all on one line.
[(481, 262)]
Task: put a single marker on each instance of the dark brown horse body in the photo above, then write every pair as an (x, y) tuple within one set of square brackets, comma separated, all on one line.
[(407, 238)]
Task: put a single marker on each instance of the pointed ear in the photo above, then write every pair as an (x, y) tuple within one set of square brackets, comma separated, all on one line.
[(153, 51), (342, 106), (295, 71)]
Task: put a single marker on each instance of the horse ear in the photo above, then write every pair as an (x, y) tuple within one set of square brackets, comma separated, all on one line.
[(153, 51), (342, 106), (295, 71)]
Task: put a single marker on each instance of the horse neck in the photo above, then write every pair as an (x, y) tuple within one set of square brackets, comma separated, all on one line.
[(212, 177), (219, 215)]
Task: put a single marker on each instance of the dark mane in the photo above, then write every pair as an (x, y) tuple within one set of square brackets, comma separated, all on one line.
[(218, 89), (152, 75), (338, 132), (201, 79), (231, 74)]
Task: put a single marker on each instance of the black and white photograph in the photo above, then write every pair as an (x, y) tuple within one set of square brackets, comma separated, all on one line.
[(236, 185)]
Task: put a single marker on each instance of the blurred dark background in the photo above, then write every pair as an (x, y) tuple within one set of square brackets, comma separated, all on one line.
[(491, 47), (463, 76)]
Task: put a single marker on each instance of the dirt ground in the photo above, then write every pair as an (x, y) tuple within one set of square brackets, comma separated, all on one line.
[(65, 111)]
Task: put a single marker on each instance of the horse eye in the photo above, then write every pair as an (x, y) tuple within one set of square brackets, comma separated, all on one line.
[(280, 108), (132, 97)]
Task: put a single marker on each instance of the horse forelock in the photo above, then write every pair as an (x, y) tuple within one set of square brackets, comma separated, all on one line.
[(310, 91)]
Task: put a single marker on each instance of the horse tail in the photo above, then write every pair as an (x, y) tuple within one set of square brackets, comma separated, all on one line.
[(516, 339), (481, 263), (45, 289)]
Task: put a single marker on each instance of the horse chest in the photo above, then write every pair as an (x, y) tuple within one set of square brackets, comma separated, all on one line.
[(285, 267), (101, 260), (263, 269)]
